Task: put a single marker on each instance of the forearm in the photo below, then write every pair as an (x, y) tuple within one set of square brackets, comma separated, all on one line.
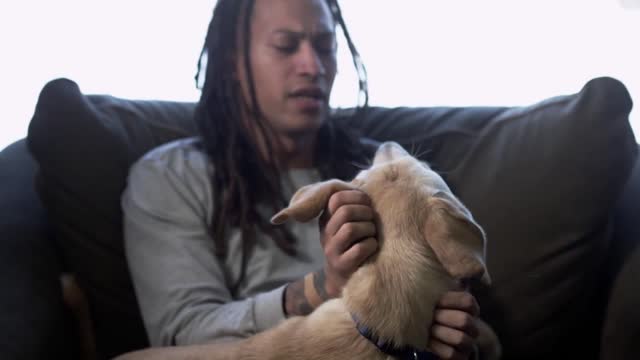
[(303, 296), (197, 321)]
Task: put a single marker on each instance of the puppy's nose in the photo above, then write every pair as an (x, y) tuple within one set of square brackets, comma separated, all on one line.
[(388, 151), (467, 283), (464, 284), (388, 147)]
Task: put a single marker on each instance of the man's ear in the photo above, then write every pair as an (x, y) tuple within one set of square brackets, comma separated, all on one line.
[(456, 239), (309, 201)]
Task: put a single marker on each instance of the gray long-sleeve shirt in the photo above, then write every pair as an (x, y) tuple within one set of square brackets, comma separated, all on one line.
[(182, 287)]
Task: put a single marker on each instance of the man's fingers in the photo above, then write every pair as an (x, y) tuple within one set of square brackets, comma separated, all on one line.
[(446, 352), (347, 197), (346, 214), (457, 319), (347, 236), (453, 337), (357, 254), (347, 233), (352, 232), (460, 300)]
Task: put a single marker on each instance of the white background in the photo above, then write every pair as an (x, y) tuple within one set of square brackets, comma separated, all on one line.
[(417, 52)]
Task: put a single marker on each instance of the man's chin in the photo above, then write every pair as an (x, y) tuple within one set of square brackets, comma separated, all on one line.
[(304, 125)]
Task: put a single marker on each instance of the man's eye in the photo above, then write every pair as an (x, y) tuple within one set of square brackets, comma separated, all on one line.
[(325, 46), (287, 48), (325, 49)]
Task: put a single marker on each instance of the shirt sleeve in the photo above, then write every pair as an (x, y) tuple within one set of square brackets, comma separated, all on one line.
[(179, 281)]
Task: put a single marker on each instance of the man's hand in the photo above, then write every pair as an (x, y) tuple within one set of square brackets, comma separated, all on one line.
[(347, 235), (454, 330)]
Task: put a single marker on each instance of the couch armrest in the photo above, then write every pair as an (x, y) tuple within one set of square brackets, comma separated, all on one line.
[(627, 227), (621, 330), (33, 320), (622, 323)]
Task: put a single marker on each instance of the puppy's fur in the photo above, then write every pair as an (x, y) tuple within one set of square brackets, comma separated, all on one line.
[(428, 241)]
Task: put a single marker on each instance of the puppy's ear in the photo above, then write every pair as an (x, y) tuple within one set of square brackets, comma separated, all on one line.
[(455, 238), (309, 201)]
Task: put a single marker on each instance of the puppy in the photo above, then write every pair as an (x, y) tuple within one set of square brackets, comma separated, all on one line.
[(428, 243)]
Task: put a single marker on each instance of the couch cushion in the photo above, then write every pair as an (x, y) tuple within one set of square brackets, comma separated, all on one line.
[(540, 179), (85, 145)]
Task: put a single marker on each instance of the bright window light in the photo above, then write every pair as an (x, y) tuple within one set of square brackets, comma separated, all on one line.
[(417, 52)]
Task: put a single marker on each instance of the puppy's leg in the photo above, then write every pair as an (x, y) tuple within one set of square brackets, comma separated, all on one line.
[(191, 352), (276, 343)]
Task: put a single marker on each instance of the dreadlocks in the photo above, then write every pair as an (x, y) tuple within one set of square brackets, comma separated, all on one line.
[(241, 177)]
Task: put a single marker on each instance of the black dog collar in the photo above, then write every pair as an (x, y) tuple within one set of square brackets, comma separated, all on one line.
[(401, 353)]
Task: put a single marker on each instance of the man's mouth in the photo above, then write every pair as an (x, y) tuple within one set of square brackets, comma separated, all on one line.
[(312, 93), (309, 100)]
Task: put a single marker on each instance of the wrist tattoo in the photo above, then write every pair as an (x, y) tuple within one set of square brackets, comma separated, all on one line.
[(304, 295), (296, 302), (319, 284)]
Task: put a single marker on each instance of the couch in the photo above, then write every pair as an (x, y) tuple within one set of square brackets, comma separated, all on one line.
[(555, 185)]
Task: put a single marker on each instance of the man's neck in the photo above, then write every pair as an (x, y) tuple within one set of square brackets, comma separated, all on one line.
[(296, 151), (289, 151)]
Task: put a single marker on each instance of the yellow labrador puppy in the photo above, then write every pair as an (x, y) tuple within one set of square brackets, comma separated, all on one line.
[(428, 242)]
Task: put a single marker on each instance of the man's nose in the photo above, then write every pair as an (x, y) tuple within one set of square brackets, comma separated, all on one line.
[(308, 62)]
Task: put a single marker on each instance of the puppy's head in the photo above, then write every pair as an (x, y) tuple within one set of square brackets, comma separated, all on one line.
[(405, 192)]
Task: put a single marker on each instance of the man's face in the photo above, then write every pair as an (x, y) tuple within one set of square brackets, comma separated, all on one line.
[(293, 63)]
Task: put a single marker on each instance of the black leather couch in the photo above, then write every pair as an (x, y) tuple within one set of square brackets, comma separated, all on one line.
[(513, 167)]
